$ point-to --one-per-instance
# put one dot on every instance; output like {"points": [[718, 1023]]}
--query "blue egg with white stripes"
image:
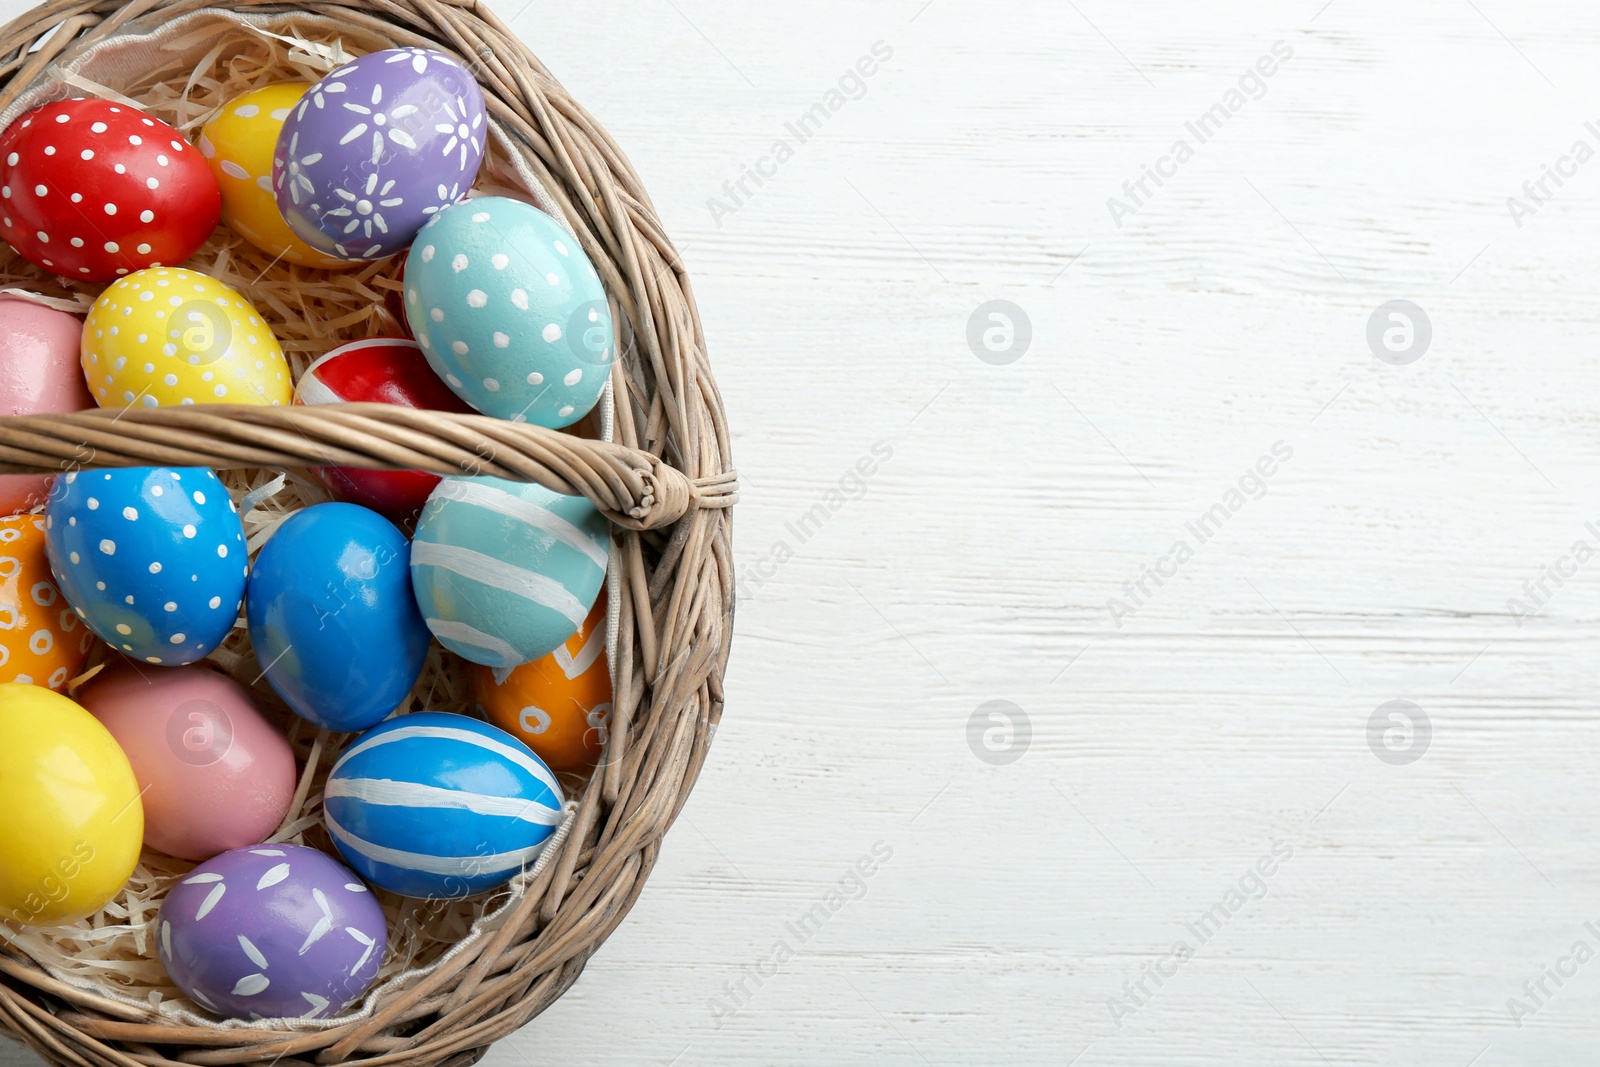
{"points": [[152, 559], [332, 619], [436, 805], [505, 572]]}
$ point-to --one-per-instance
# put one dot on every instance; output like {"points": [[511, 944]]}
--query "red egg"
{"points": [[380, 370], [92, 190]]}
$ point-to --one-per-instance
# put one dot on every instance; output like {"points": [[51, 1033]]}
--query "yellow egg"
{"points": [[165, 336], [74, 822], [238, 143]]}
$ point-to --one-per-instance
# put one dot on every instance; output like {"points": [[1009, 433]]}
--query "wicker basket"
{"points": [[665, 480]]}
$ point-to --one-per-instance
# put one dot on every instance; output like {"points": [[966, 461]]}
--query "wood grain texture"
{"points": [[1230, 712]]}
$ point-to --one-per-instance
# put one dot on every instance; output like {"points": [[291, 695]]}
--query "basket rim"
{"points": [[667, 483]]}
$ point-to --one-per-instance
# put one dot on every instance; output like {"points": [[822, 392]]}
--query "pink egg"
{"points": [[216, 775], [39, 372]]}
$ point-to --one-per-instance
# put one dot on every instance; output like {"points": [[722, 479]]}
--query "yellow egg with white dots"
{"points": [[238, 142], [166, 336]]}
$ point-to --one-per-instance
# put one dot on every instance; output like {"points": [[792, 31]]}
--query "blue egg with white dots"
{"points": [[510, 311], [152, 559]]}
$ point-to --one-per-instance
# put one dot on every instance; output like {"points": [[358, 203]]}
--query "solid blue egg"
{"points": [[332, 617], [439, 805], [510, 311], [152, 558]]}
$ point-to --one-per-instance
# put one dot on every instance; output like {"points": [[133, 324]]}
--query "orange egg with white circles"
{"points": [[42, 642], [559, 705]]}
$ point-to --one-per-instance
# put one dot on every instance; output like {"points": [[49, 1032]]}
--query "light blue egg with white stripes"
{"points": [[505, 572], [436, 805]]}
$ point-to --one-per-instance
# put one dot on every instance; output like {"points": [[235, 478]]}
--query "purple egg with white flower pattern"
{"points": [[377, 148], [272, 932]]}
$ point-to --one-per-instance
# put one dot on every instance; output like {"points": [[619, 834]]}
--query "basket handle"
{"points": [[634, 489]]}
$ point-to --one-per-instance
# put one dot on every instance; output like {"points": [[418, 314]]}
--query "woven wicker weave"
{"points": [[666, 482]]}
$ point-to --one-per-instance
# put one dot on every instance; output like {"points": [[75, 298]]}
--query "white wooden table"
{"points": [[1200, 765]]}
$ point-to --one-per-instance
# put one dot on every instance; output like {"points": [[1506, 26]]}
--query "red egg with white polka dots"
{"points": [[93, 190]]}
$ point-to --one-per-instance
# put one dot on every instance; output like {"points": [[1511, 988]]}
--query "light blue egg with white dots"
{"points": [[152, 559], [510, 311]]}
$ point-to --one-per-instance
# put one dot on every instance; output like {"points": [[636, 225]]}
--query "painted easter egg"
{"points": [[42, 641], [382, 370], [238, 143], [332, 617], [437, 805], [272, 932], [90, 190], [510, 311], [169, 336], [377, 147], [506, 571], [152, 558], [213, 772], [73, 821], [38, 374], [558, 705]]}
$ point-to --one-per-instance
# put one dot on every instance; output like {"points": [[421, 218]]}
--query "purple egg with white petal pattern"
{"points": [[271, 932], [376, 148]]}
